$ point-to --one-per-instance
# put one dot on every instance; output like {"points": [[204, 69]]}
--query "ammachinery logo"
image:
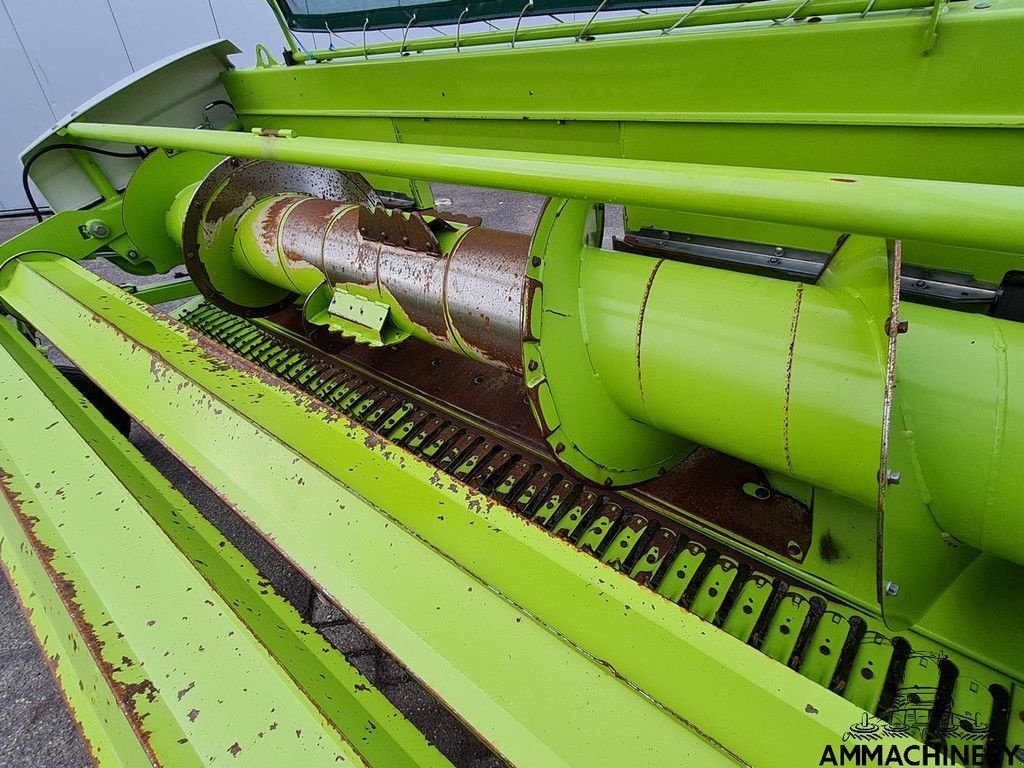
{"points": [[910, 737]]}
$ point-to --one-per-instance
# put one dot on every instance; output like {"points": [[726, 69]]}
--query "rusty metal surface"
{"points": [[229, 190], [468, 299], [484, 293], [411, 231], [710, 485], [491, 404]]}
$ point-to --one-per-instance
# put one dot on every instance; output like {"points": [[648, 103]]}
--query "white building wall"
{"points": [[55, 54]]}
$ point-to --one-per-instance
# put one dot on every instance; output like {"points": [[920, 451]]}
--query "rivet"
{"points": [[536, 261], [892, 589], [560, 448], [532, 365], [893, 477]]}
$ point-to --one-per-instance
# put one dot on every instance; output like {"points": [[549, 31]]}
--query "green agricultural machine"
{"points": [[738, 483]]}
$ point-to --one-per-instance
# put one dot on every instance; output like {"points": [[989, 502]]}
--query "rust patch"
{"points": [[484, 295], [186, 689], [709, 485], [304, 228], [270, 225], [127, 694], [394, 228], [793, 323]]}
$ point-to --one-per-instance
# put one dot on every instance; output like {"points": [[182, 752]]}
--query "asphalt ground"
{"points": [[36, 728]]}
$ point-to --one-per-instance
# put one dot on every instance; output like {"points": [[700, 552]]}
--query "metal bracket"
{"points": [[684, 17], [405, 36], [519, 21], [931, 36]]}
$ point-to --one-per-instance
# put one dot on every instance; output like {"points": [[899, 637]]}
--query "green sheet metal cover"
{"points": [[343, 15]]}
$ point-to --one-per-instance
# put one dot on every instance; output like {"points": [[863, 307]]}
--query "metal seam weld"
{"points": [[640, 329], [794, 322]]}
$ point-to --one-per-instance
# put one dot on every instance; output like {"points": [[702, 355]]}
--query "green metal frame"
{"points": [[458, 550], [703, 130], [108, 595]]}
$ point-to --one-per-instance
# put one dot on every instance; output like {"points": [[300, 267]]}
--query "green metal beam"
{"points": [[169, 290], [55, 578], [976, 215], [650, 22], [613, 673]]}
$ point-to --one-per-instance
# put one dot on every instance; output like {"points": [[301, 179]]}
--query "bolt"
{"points": [[132, 255], [892, 589], [559, 448], [532, 365], [893, 477], [902, 326], [921, 284], [773, 260], [98, 229], [536, 261], [779, 250]]}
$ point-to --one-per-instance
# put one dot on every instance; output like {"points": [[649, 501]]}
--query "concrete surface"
{"points": [[36, 729]]}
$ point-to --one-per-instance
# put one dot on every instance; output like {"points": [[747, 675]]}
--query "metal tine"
{"points": [[796, 10], [590, 21], [330, 36], [867, 10], [405, 35], [685, 16], [458, 28], [519, 21], [365, 25]]}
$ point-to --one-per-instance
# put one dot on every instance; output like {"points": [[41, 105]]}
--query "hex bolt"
{"points": [[98, 229], [892, 589], [892, 477]]}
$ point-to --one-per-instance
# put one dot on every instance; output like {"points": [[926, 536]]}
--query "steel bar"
{"points": [[634, 677], [974, 215]]}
